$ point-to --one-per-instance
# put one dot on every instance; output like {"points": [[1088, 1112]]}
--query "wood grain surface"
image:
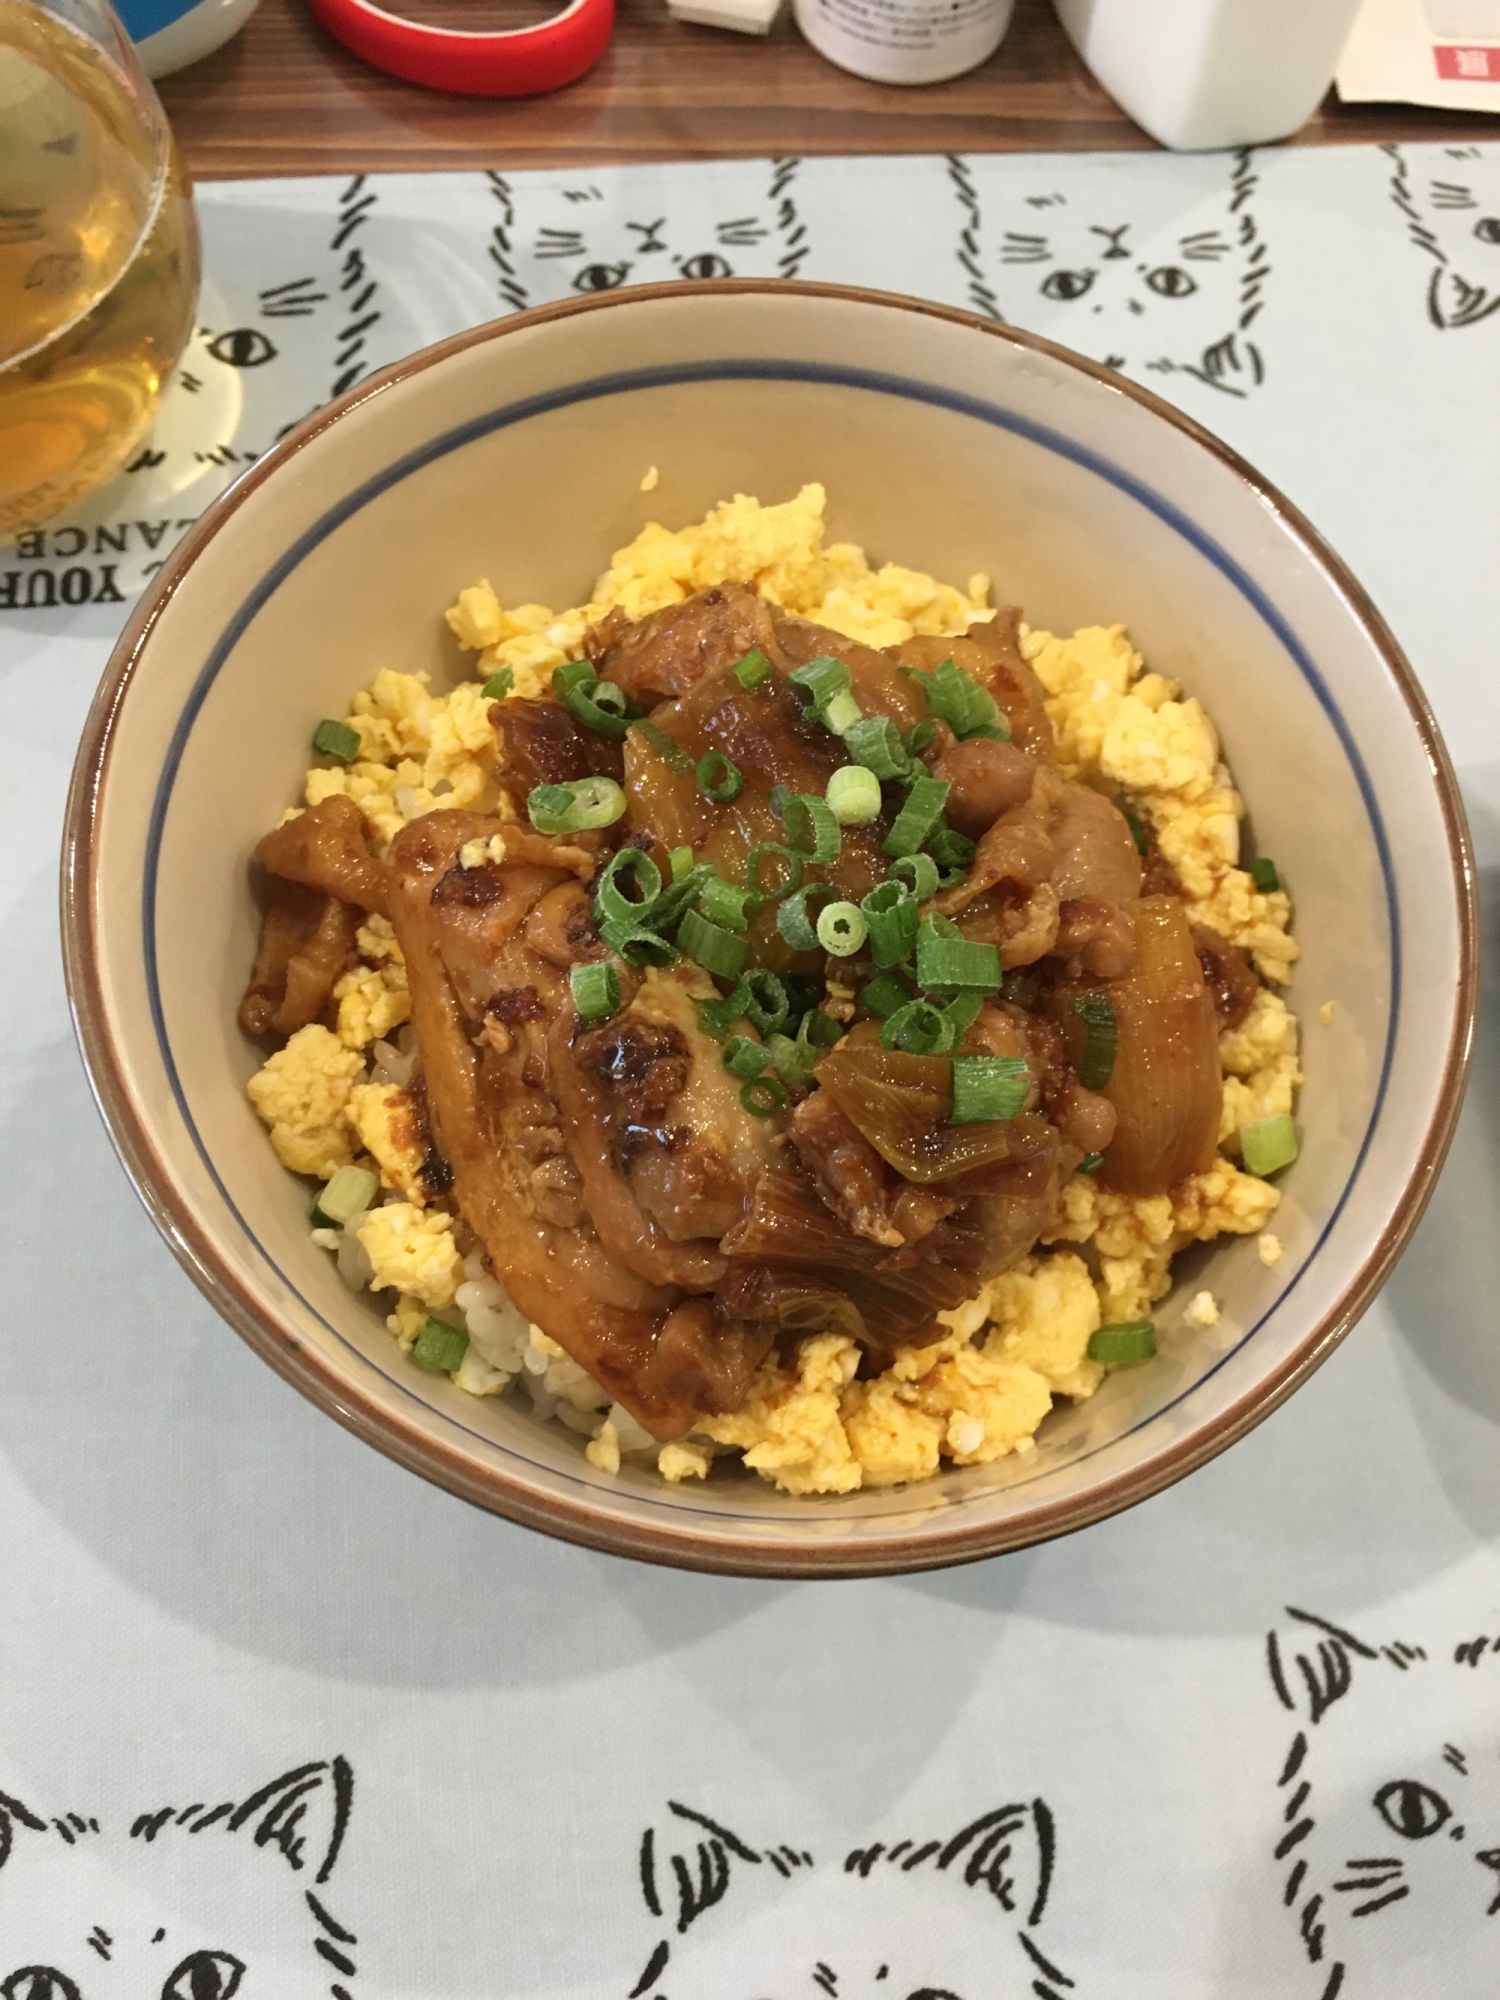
{"points": [[284, 98]]}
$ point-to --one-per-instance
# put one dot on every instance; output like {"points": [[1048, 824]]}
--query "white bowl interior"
{"points": [[944, 447]]}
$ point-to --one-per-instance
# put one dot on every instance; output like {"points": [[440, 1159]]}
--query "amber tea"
{"points": [[98, 264]]}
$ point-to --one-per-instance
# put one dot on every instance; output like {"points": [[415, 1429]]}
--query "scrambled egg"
{"points": [[417, 752], [386, 1122], [302, 1094], [414, 1251], [778, 549]]}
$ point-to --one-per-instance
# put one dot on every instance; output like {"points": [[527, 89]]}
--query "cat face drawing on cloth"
{"points": [[191, 1902], [1450, 197], [1133, 271], [559, 240], [955, 1916], [1387, 1844]]}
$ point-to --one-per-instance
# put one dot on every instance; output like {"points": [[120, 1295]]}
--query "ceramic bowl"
{"points": [[951, 445]]}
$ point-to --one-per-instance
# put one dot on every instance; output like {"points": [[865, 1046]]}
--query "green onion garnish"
{"points": [[986, 1088], [951, 849], [336, 739], [675, 898], [792, 1061], [794, 921], [919, 736], [962, 1012], [811, 829], [600, 706], [612, 898], [842, 929], [727, 903], [1137, 830], [586, 802], [841, 714], [1268, 1144], [440, 1347], [718, 779], [752, 669], [499, 684], [818, 1030], [918, 818], [742, 1057], [920, 874], [596, 991], [768, 1008], [719, 1016], [709, 945], [792, 863], [573, 673], [1097, 1012], [763, 1096], [671, 754], [944, 963], [854, 795], [1124, 1343], [680, 860], [822, 680], [958, 699], [1090, 1163], [885, 995], [890, 910], [875, 742], [348, 1191], [635, 943], [919, 1029], [1264, 874]]}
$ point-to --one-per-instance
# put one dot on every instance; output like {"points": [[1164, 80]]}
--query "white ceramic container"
{"points": [[947, 443], [1197, 74], [905, 41]]}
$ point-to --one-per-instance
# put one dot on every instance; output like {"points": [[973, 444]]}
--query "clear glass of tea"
{"points": [[99, 255]]}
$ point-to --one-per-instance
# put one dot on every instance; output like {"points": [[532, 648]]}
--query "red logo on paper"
{"points": [[1471, 65]]}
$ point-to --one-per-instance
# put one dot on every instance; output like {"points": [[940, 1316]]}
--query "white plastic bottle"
{"points": [[905, 41], [1203, 73]]}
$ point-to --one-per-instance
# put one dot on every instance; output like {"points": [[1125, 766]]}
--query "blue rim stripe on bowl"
{"points": [[675, 375]]}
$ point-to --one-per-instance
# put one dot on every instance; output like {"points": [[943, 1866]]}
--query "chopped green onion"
{"points": [[719, 1016], [792, 1061], [875, 742], [791, 862], [727, 903], [594, 704], [672, 754], [752, 669], [963, 1011], [440, 1347], [1264, 874], [951, 849], [917, 738], [842, 929], [918, 818], [953, 962], [635, 944], [596, 991], [572, 808], [1124, 1343], [919, 1028], [818, 1030], [811, 829], [742, 1057], [1268, 1144], [795, 923], [709, 945], [675, 898], [611, 898], [763, 1096], [574, 673], [958, 699], [1090, 1163], [348, 1191], [986, 1088], [768, 1007], [1137, 830], [336, 739], [499, 684], [885, 995], [680, 860], [920, 874], [718, 779], [854, 795], [890, 910], [822, 680], [841, 713], [1097, 1012]]}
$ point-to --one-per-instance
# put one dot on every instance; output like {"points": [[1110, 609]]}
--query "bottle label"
{"points": [[905, 41]]}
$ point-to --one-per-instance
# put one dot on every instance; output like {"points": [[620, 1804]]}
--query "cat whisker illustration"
{"points": [[1489, 1857]]}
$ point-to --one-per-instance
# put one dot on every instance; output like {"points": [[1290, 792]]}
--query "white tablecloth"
{"points": [[466, 1760]]}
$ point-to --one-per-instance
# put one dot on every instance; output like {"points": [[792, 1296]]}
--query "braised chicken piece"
{"points": [[679, 1146]]}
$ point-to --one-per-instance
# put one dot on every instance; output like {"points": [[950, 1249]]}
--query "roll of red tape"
{"points": [[515, 62]]}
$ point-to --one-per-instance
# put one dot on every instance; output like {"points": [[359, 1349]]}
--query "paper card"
{"points": [[1439, 52]]}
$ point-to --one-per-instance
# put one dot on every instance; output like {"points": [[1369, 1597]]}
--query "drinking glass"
{"points": [[99, 256]]}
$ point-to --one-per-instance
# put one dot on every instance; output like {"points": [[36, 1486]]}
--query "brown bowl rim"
{"points": [[593, 1524]]}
